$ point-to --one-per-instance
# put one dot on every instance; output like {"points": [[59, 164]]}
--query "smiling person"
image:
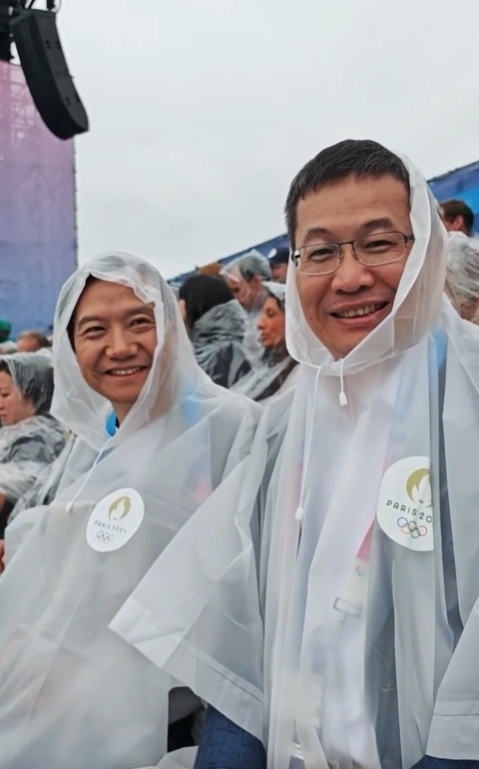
{"points": [[370, 551], [370, 565], [156, 442]]}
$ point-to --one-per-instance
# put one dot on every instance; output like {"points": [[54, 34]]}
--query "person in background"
{"points": [[43, 490], [462, 277], [7, 345], [246, 276], [457, 216], [30, 438], [277, 371], [32, 341], [216, 324], [278, 261]]}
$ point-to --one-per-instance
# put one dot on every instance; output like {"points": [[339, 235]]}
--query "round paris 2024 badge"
{"points": [[114, 521], [404, 508]]}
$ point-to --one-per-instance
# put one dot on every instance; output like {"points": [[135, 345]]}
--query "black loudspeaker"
{"points": [[43, 62]]}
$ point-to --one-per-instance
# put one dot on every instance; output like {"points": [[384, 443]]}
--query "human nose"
{"points": [[119, 344], [351, 274]]}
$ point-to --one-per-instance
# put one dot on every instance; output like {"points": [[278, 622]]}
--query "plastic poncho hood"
{"points": [[73, 689], [225, 322], [75, 404], [217, 339], [416, 306], [369, 556], [32, 374], [462, 282], [29, 447]]}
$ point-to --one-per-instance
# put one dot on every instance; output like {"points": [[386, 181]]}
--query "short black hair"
{"points": [[451, 209], [201, 293], [351, 157]]}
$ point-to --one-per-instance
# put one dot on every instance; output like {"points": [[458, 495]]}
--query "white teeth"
{"points": [[125, 371], [359, 311]]}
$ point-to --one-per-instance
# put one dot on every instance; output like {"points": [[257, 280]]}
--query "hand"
{"points": [[2, 556]]}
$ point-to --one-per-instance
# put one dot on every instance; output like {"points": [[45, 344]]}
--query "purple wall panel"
{"points": [[37, 208]]}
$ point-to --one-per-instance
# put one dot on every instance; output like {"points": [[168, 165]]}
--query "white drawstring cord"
{"points": [[343, 399], [300, 511], [70, 504]]}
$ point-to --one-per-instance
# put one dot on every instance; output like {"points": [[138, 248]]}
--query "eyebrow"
{"points": [[372, 224], [144, 308]]}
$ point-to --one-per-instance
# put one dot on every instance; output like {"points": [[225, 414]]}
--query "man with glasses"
{"points": [[369, 560], [370, 549], [368, 629]]}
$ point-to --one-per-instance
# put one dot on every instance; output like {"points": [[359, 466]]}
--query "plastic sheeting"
{"points": [[217, 339], [274, 373], [267, 377], [44, 488], [73, 692], [462, 277], [28, 448], [365, 599], [32, 374], [247, 267], [241, 272]]}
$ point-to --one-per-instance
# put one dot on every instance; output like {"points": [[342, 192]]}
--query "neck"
{"points": [[121, 411]]}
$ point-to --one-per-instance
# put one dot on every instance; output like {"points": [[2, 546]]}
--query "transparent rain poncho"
{"points": [[42, 491], [217, 339], [370, 555], [462, 277], [29, 446], [241, 271], [73, 691], [275, 372]]}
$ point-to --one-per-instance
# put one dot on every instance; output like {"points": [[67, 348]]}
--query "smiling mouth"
{"points": [[125, 372], [360, 312]]}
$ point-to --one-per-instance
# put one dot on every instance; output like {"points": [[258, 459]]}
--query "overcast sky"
{"points": [[202, 111]]}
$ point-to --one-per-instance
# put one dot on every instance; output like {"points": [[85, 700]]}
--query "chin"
{"points": [[347, 346]]}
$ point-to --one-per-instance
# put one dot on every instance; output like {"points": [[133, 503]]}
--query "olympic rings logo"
{"points": [[104, 536], [411, 527]]}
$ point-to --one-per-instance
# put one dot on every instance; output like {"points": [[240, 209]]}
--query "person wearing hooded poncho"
{"points": [[370, 533], [30, 438], [216, 323], [246, 277], [73, 693], [276, 371], [462, 277]]}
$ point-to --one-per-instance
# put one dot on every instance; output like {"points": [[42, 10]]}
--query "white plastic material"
{"points": [[242, 270], [269, 375], [360, 668], [217, 339], [73, 693], [462, 279], [29, 447]]}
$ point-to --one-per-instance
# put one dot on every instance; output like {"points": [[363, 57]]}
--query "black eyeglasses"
{"points": [[372, 251]]}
